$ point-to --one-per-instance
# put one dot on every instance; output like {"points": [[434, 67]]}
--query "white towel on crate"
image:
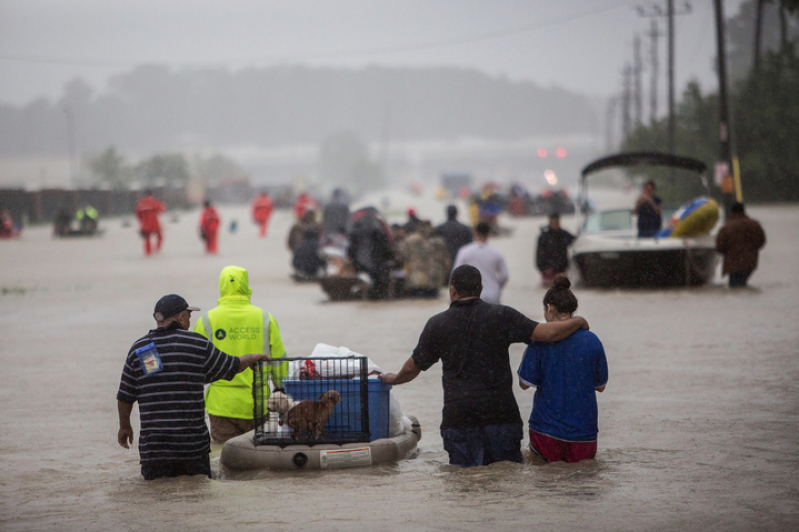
{"points": [[333, 368]]}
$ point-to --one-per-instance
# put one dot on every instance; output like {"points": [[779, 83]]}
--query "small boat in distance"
{"points": [[607, 251]]}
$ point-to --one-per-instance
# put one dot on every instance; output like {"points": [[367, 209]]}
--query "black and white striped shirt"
{"points": [[171, 402]]}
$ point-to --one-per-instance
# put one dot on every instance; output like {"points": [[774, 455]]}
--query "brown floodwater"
{"points": [[699, 425]]}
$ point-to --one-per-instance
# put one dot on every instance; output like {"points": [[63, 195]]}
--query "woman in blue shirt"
{"points": [[566, 375]]}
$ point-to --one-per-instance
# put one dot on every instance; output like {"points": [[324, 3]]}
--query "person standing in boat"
{"points": [[740, 241], [647, 208]]}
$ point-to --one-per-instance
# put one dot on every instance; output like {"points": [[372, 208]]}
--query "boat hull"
{"points": [[646, 268]]}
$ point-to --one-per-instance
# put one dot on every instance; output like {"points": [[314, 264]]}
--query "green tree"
{"points": [[344, 161], [765, 112], [109, 168], [167, 169], [218, 167]]}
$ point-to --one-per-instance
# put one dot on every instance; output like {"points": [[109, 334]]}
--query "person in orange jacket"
{"points": [[209, 227], [261, 211], [147, 211]]}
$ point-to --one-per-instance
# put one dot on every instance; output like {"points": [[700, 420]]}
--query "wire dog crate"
{"points": [[324, 400]]}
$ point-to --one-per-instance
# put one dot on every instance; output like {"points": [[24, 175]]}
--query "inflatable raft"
{"points": [[242, 454], [693, 219]]}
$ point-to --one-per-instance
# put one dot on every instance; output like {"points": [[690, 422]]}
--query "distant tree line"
{"points": [[109, 169], [764, 108], [154, 108]]}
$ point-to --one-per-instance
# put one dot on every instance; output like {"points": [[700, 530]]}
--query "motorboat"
{"points": [[608, 252]]}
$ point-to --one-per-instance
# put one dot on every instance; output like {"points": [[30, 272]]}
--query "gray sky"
{"points": [[580, 45]]}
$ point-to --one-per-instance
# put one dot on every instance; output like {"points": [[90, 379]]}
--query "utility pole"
{"points": [[725, 155], [384, 144], [653, 35], [758, 30], [610, 142], [625, 101], [70, 141], [637, 68], [656, 11]]}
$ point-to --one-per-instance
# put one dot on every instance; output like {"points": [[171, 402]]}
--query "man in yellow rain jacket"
{"points": [[237, 327]]}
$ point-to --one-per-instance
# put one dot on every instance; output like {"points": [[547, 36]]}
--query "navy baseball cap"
{"points": [[169, 305]]}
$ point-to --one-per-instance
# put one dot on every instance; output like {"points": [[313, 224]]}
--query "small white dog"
{"points": [[280, 403]]}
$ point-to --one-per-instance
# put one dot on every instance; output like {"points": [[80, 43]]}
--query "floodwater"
{"points": [[699, 424]]}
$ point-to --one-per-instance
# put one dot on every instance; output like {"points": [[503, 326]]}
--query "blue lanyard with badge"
{"points": [[149, 359]]}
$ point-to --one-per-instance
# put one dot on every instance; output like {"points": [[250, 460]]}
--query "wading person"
{"points": [[488, 260], [209, 227], [480, 421], [306, 260], [237, 327], [739, 241], [567, 374], [147, 211], [552, 256], [427, 262], [261, 211], [165, 371], [454, 233]]}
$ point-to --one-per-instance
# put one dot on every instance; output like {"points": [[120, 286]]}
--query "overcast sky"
{"points": [[580, 45]]}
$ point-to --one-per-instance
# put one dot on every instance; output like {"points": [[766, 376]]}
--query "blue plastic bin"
{"points": [[346, 416]]}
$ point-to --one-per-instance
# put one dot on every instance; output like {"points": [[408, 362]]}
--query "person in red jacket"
{"points": [[147, 211], [261, 211], [209, 227], [303, 204]]}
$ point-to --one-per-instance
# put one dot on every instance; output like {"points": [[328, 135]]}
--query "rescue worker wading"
{"points": [[237, 327]]}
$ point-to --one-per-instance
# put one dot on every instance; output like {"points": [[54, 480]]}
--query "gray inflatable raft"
{"points": [[241, 453]]}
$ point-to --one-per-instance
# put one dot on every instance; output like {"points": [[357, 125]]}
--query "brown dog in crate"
{"points": [[312, 415]]}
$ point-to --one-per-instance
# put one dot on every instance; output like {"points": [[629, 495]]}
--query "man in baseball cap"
{"points": [[169, 305], [164, 372]]}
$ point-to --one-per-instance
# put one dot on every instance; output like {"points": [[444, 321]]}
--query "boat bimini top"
{"points": [[643, 159]]}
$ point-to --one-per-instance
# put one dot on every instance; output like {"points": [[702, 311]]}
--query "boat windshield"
{"points": [[615, 220], [615, 188]]}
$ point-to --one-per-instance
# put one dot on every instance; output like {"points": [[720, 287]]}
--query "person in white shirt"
{"points": [[488, 260]]}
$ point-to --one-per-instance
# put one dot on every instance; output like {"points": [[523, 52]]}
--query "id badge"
{"points": [[150, 361]]}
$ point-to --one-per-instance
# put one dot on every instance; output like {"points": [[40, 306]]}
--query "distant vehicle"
{"points": [[546, 203], [455, 183], [607, 251]]}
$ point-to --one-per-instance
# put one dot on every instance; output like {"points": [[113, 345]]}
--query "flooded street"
{"points": [[699, 424]]}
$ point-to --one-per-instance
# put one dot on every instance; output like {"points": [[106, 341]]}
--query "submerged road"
{"points": [[698, 426]]}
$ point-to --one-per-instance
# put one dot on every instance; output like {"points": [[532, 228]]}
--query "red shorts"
{"points": [[554, 450]]}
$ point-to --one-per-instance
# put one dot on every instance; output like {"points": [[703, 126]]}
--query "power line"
{"points": [[341, 54]]}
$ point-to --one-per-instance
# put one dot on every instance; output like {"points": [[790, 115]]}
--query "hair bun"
{"points": [[561, 282]]}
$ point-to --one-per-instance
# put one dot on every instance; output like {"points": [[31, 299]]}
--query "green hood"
{"points": [[234, 283]]}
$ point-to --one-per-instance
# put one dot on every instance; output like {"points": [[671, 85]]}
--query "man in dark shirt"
{"points": [[551, 255], [480, 421], [454, 233], [648, 210], [306, 259], [336, 215], [165, 372]]}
